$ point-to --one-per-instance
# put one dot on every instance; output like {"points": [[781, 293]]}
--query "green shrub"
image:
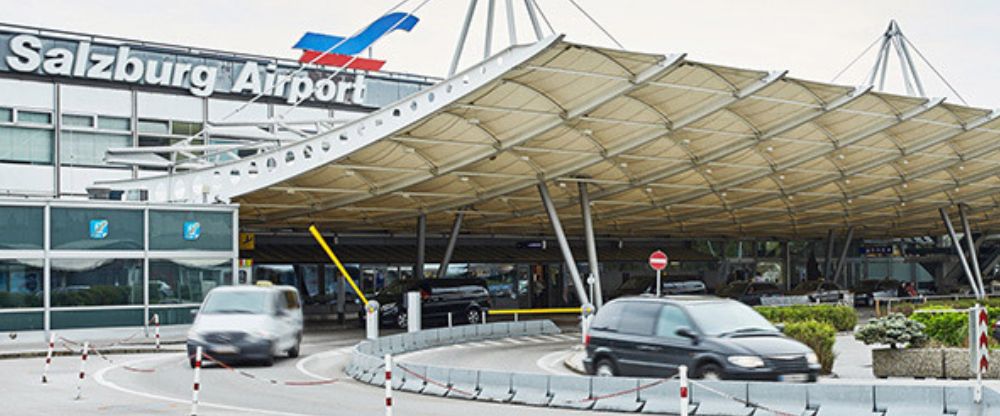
{"points": [[892, 330], [842, 318], [949, 328], [819, 336]]}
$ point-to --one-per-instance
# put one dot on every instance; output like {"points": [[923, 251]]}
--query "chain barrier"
{"points": [[271, 381], [152, 320], [436, 383], [743, 401]]}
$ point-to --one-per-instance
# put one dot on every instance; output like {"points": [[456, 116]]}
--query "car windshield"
{"points": [[248, 302], [722, 318]]}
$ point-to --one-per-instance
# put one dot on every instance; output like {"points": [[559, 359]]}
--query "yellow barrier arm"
{"points": [[533, 311], [322, 242]]}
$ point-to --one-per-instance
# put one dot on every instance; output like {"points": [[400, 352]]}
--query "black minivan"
{"points": [[465, 299], [715, 338]]}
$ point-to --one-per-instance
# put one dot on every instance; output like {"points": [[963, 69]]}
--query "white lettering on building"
{"points": [[26, 55]]}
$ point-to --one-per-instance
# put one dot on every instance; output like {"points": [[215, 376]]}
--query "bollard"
{"points": [[449, 319], [48, 358], [156, 329], [83, 369], [483, 321], [197, 382], [515, 316], [388, 385], [682, 371], [412, 311], [371, 319]]}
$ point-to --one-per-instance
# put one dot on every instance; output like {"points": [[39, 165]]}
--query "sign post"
{"points": [[979, 352], [658, 261]]}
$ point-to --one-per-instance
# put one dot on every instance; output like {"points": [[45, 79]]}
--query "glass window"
{"points": [[22, 228], [255, 302], [34, 117], [26, 145], [639, 318], [114, 123], [184, 128], [716, 318], [21, 283], [671, 319], [154, 126], [6, 115], [72, 120], [96, 282], [607, 317], [190, 230], [96, 229], [186, 281], [81, 148]]}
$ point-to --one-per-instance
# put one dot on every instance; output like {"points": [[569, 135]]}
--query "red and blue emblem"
{"points": [[313, 44]]}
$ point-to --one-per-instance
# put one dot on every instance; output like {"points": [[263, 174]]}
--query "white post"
{"points": [[156, 329], [83, 370], [659, 286], [388, 385], [412, 311], [449, 320], [371, 320], [483, 321], [685, 397], [48, 357], [197, 382], [515, 316]]}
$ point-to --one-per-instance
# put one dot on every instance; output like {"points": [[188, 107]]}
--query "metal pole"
{"points": [[659, 285], [461, 38], [534, 20], [911, 65], [588, 235], [902, 63], [682, 373], [488, 48], [371, 319], [550, 208], [972, 249], [196, 386], [418, 271], [450, 248], [511, 26], [788, 266], [412, 311], [388, 385], [843, 253], [827, 263], [961, 254]]}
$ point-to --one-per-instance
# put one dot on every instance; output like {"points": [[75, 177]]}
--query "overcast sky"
{"points": [[812, 39]]}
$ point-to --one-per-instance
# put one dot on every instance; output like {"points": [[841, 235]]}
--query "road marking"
{"points": [[99, 378], [553, 363], [301, 363], [514, 341], [551, 338], [493, 344]]}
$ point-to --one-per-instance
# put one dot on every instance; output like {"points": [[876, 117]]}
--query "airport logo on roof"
{"points": [[336, 51]]}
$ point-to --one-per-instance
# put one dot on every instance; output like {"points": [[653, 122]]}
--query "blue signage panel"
{"points": [[98, 229], [192, 230]]}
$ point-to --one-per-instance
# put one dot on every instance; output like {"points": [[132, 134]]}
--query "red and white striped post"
{"points": [[197, 382], [682, 371], [156, 329], [83, 370], [48, 358], [388, 385]]}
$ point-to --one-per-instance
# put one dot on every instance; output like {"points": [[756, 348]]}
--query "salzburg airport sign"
{"points": [[201, 74]]}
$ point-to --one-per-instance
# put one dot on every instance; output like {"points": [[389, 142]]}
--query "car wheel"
{"points": [[294, 351], [267, 362], [605, 368], [402, 320], [472, 316], [709, 371]]}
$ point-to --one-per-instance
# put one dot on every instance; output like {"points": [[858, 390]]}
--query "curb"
{"points": [[14, 355], [573, 362]]}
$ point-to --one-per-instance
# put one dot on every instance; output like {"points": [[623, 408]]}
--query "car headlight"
{"points": [[195, 336], [746, 361], [812, 358]]}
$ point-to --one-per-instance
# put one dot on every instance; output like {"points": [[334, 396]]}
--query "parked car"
{"points": [[749, 293], [868, 290], [465, 299], [248, 323], [820, 290], [715, 338], [672, 285]]}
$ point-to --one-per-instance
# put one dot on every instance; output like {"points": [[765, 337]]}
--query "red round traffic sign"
{"points": [[658, 260]]}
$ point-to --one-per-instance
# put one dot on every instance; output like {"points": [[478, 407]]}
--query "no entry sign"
{"points": [[658, 260]]}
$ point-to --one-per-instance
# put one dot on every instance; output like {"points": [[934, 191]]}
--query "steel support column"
{"points": [[843, 254], [550, 209], [461, 38], [588, 235], [828, 261], [450, 248], [973, 249], [788, 265], [418, 270], [961, 253]]}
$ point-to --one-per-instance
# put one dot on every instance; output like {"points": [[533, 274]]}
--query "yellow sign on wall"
{"points": [[248, 241]]}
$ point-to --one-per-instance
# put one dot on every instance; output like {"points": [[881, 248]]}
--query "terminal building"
{"points": [[136, 176]]}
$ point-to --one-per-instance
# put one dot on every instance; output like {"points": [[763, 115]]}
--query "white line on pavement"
{"points": [[301, 364], [553, 363], [99, 378]]}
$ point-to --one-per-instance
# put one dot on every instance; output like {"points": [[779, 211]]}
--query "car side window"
{"points": [[608, 317], [670, 320], [291, 300], [639, 318]]}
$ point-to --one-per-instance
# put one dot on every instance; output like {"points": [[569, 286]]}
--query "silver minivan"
{"points": [[257, 323]]}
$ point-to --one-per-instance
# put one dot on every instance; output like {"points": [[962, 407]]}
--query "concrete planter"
{"points": [[908, 362], [928, 363]]}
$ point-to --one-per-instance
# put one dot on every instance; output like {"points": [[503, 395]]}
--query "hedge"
{"points": [[819, 336], [949, 326], [840, 317]]}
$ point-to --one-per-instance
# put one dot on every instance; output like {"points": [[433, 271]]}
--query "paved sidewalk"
{"points": [[119, 339]]}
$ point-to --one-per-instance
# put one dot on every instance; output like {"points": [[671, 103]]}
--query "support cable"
{"points": [[544, 17], [858, 58], [936, 72], [592, 20]]}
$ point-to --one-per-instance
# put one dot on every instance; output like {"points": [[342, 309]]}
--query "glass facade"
{"points": [[22, 227], [96, 282], [190, 230], [96, 229], [180, 281], [21, 283]]}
